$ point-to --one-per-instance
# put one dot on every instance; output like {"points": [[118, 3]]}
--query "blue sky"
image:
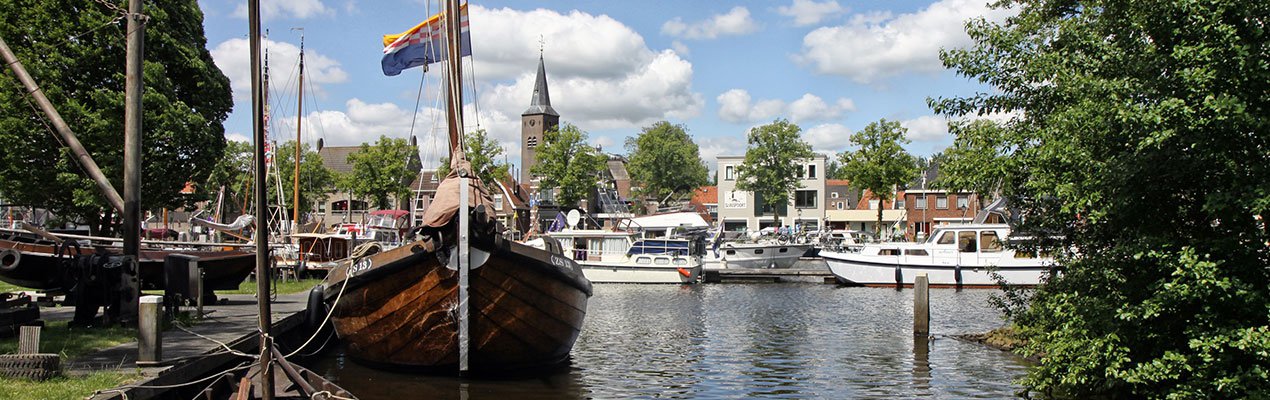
{"points": [[719, 68]]}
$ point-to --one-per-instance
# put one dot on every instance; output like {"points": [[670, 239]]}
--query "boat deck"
{"points": [[807, 269]]}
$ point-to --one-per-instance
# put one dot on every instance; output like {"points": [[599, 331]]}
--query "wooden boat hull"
{"points": [[400, 308], [38, 266]]}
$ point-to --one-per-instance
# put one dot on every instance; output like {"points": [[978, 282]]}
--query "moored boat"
{"points": [[954, 256], [625, 257]]}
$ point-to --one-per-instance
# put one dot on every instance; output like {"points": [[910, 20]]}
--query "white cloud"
{"points": [[809, 12], [298, 9], [735, 23], [927, 128], [680, 48], [828, 137], [736, 105], [233, 57], [237, 137], [600, 72], [874, 46], [713, 147]]}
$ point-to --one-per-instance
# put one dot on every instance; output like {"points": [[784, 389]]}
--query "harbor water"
{"points": [[799, 340]]}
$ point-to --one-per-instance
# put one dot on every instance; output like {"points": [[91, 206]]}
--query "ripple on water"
{"points": [[746, 340]]}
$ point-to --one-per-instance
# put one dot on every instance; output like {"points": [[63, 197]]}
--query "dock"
{"points": [[807, 269], [186, 356]]}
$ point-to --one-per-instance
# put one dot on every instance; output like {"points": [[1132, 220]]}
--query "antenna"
{"points": [[542, 43]]}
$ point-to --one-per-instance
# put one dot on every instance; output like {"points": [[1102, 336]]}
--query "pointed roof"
{"points": [[541, 103]]}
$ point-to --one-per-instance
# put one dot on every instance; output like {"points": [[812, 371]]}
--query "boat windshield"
{"points": [[652, 246]]}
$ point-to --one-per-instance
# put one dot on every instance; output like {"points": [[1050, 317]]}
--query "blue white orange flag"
{"points": [[422, 44]]}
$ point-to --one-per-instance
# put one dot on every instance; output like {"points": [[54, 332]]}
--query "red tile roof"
{"points": [[705, 195]]}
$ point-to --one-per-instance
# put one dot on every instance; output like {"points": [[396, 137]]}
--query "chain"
{"points": [[115, 8]]}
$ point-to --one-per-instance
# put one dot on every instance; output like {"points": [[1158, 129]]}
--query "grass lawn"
{"points": [[64, 387], [288, 287], [6, 287], [56, 337]]}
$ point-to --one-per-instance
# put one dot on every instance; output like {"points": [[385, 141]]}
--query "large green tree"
{"points": [[664, 161], [482, 153], [879, 163], [316, 181], [75, 51], [567, 163], [382, 172], [232, 173], [773, 165], [1141, 151], [974, 162]]}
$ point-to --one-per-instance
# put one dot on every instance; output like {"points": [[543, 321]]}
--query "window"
{"points": [[758, 251], [643, 260], [532, 141], [966, 242], [434, 178], [963, 202], [805, 198], [498, 202], [941, 203], [840, 205], [920, 203], [946, 238], [811, 171], [729, 173], [899, 204], [873, 204], [833, 195], [916, 252], [988, 242], [731, 252]]}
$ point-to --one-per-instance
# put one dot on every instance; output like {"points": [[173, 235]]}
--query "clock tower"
{"points": [[534, 122]]}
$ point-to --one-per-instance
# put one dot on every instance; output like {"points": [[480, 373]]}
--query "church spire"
{"points": [[541, 102]]}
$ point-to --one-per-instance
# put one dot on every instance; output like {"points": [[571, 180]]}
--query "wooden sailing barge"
{"points": [[463, 297]]}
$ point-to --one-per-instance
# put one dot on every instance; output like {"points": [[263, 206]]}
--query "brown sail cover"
{"points": [[446, 203]]}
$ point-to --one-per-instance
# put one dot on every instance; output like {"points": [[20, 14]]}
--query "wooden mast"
{"points": [[262, 228], [454, 84], [299, 114]]}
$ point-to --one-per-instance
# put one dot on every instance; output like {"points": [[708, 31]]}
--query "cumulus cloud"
{"points": [[735, 22], [809, 12], [298, 9], [873, 46], [831, 138], [736, 105], [713, 147], [927, 128], [233, 57], [601, 73]]}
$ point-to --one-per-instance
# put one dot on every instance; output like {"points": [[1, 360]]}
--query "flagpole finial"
{"points": [[542, 43]]}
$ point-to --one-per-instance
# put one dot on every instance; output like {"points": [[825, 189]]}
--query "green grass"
{"points": [[6, 287], [288, 287], [65, 387], [56, 337]]}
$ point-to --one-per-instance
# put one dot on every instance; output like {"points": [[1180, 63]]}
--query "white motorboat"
{"points": [[758, 254], [625, 257], [954, 255]]}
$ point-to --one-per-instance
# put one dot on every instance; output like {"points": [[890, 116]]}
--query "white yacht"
{"points": [[756, 254], [626, 257], [954, 255]]}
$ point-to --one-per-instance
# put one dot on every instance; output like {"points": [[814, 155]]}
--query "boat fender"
{"points": [[316, 309], [957, 274], [9, 259], [300, 268], [899, 277], [685, 273]]}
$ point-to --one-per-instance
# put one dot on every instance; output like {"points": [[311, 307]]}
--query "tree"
{"points": [[482, 152], [974, 162], [382, 171], [833, 170], [1139, 154], [664, 161], [566, 162], [75, 52], [773, 167], [232, 172], [879, 163], [315, 179]]}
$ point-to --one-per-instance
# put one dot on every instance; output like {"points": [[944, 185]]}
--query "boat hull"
{"points": [[755, 256], [399, 309], [864, 270], [622, 273], [37, 266]]}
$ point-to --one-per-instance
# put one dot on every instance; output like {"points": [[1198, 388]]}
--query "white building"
{"points": [[739, 210]]}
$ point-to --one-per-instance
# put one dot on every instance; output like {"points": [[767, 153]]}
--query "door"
{"points": [[968, 248]]}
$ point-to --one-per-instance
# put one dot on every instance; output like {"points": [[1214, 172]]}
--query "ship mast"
{"points": [[454, 86], [299, 114]]}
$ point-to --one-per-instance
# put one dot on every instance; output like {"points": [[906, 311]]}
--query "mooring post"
{"points": [[921, 305], [149, 338], [463, 275]]}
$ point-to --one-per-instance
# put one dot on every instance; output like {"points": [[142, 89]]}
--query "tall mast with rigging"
{"points": [[299, 115]]}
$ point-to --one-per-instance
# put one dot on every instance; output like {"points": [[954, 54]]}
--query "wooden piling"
{"points": [[921, 305], [149, 338]]}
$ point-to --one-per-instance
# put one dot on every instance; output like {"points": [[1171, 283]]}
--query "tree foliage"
{"points": [[75, 51], [664, 161], [975, 161], [773, 165], [879, 163], [382, 172], [1141, 144], [566, 162], [233, 173], [316, 181], [482, 152]]}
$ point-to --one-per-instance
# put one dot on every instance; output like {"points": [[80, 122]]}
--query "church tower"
{"points": [[535, 121]]}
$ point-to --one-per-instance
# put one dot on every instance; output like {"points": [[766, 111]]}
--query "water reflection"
{"points": [[737, 340]]}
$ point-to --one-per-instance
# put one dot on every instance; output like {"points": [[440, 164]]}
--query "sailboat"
{"points": [[463, 297]]}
